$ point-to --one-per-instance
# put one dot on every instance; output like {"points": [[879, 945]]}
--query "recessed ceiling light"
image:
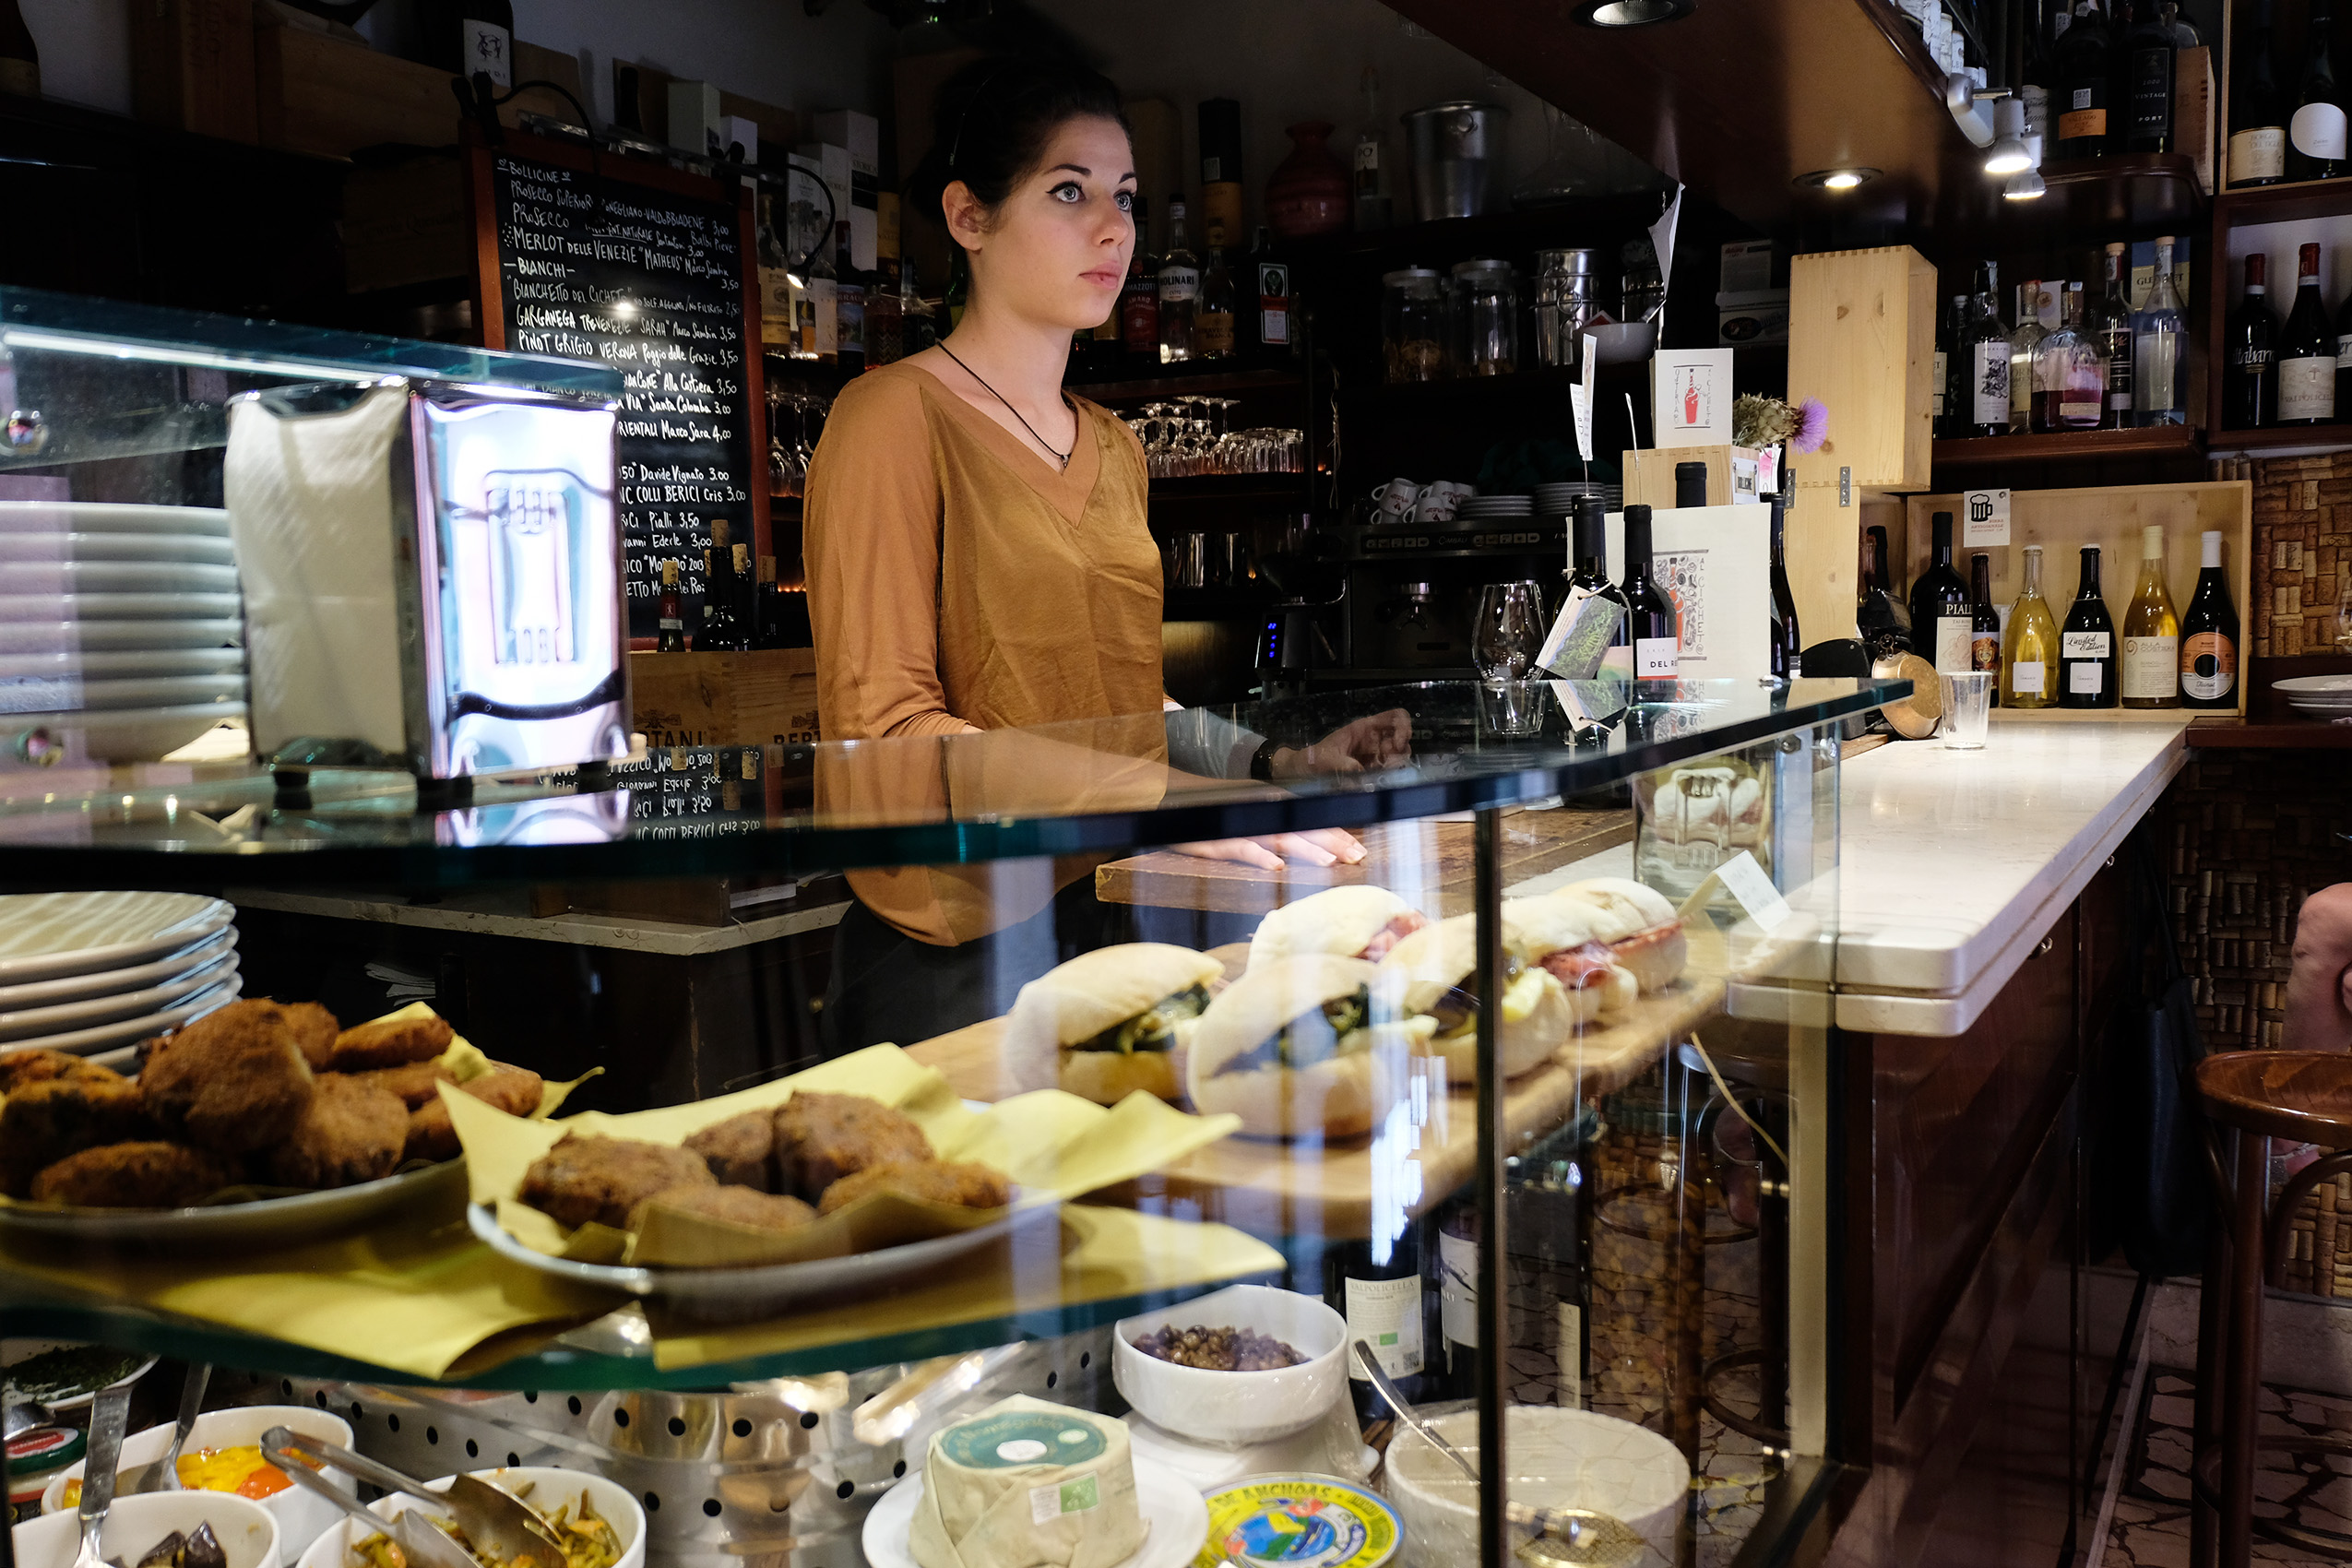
{"points": [[1631, 13], [1836, 179]]}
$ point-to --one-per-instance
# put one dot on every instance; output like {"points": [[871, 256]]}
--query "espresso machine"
{"points": [[1412, 591]]}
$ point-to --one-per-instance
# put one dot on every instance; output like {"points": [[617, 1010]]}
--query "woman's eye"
{"points": [[1067, 191], [1126, 200]]}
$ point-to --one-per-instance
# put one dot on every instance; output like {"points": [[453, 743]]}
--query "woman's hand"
{"points": [[1316, 846], [1379, 740]]}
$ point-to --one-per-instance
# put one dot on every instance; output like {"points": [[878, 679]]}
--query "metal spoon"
{"points": [[427, 1547], [495, 1521], [164, 1475], [110, 1412]]}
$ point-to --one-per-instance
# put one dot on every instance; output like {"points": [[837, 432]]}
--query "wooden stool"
{"points": [[2259, 1095]]}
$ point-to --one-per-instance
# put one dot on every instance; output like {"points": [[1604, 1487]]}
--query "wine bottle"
{"points": [[672, 633], [2249, 401], [1788, 643], [1139, 295], [1880, 619], [2085, 67], [2087, 645], [2307, 351], [2024, 345], [1590, 577], [2070, 372], [1213, 326], [2030, 647], [2148, 59], [1456, 1288], [2035, 74], [1984, 621], [2161, 348], [2151, 633], [1179, 287], [2209, 637], [2257, 110], [1650, 622], [1947, 343], [1942, 625], [1690, 485], [1376, 1286], [2344, 354], [1987, 351], [2111, 329], [2315, 133]]}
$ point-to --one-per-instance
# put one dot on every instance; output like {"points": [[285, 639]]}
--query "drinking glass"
{"points": [[1967, 708], [1509, 633], [1508, 709]]}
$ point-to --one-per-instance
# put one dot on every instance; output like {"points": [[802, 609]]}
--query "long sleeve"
{"points": [[871, 543]]}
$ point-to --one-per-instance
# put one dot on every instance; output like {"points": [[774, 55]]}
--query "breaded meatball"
{"points": [[45, 1121], [413, 1084], [351, 1132], [586, 1178], [389, 1042], [973, 1186], [822, 1137], [315, 1030], [741, 1149], [142, 1175], [737, 1206], [232, 1082], [39, 1065], [515, 1090]]}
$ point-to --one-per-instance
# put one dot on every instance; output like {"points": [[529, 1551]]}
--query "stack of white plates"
{"points": [[1477, 507], [119, 623], [91, 971], [2321, 696], [1559, 499]]}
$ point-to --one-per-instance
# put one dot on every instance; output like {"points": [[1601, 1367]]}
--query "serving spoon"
{"points": [[495, 1521], [425, 1546]]}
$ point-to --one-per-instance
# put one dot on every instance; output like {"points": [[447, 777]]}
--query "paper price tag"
{"points": [[1580, 397], [1984, 517], [1747, 882]]}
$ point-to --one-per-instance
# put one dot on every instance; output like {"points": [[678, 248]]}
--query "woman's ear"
{"points": [[967, 216]]}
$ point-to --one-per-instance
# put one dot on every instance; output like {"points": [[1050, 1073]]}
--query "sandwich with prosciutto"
{"points": [[1294, 1049], [1643, 933], [1359, 921], [1110, 1022]]}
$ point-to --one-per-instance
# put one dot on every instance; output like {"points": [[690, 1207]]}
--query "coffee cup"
{"points": [[1396, 500], [1439, 500]]}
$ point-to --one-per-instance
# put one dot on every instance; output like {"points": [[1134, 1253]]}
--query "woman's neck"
{"points": [[1020, 359]]}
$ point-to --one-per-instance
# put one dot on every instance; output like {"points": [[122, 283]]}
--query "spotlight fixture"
{"points": [[2009, 154], [2024, 186], [1835, 179], [1631, 13]]}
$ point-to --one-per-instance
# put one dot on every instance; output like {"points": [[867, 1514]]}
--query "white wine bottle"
{"points": [[2029, 651], [2151, 633]]}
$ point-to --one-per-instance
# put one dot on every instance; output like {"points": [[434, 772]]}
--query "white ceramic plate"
{"points": [[135, 735], [28, 1022], [118, 606], [742, 1295], [107, 983], [160, 691], [1176, 1521], [97, 1037], [47, 936], [53, 635], [2316, 685], [127, 664], [550, 1488], [201, 548], [109, 516], [118, 576], [265, 1222]]}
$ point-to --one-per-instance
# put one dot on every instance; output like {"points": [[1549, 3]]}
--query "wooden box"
{"points": [[324, 95], [2192, 111], [192, 67], [1861, 342], [2063, 521], [718, 699], [1649, 474]]}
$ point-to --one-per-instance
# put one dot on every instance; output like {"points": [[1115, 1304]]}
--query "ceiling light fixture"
{"points": [[2009, 154], [1631, 13], [1835, 179], [2024, 186]]}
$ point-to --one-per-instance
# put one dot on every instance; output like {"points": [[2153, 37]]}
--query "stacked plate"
{"points": [[87, 972], [1559, 499], [2321, 696], [119, 623], [1490, 506]]}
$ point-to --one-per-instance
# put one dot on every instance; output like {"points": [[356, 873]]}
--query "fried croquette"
{"points": [[18, 1068], [139, 1175], [737, 1206], [351, 1132], [586, 1178], [973, 1186], [412, 1083], [232, 1082], [822, 1137], [741, 1149], [43, 1123], [315, 1030], [388, 1042], [515, 1090]]}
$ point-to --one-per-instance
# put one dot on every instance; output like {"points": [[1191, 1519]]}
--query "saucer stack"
{"points": [[90, 972], [1559, 500], [1488, 507], [2321, 696]]}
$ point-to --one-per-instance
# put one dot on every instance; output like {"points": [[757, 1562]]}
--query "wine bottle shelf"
{"points": [[2317, 437], [2139, 190], [2155, 441], [2285, 203]]}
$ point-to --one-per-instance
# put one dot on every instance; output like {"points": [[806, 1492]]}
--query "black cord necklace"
{"points": [[1061, 458]]}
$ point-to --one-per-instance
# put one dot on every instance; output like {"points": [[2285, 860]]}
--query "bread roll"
{"points": [[1341, 1094], [1341, 920], [1639, 923], [1538, 1014], [1074, 1003]]}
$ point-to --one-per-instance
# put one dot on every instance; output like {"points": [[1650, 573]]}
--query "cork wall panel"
{"points": [[2302, 546]]}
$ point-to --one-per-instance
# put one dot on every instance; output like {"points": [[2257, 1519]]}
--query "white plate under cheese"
{"points": [[1027, 1483]]}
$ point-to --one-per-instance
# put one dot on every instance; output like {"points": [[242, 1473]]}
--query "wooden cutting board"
{"points": [[1277, 1189]]}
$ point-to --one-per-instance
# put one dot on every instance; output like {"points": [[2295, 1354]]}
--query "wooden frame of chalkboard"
{"points": [[693, 441]]}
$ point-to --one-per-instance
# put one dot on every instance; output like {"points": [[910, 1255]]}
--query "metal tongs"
{"points": [[495, 1521]]}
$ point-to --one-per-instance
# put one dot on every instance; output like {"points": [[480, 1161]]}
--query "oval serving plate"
{"points": [[108, 982], [264, 1222], [51, 935]]}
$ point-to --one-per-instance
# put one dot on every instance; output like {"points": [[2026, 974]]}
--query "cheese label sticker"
{"points": [[1048, 1503], [1022, 1437]]}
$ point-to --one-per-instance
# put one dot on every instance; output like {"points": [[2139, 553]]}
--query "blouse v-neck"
{"points": [[1067, 489]]}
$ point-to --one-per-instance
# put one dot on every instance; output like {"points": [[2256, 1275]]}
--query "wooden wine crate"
{"points": [[2063, 521], [767, 697]]}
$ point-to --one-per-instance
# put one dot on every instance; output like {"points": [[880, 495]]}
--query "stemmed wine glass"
{"points": [[1509, 633]]}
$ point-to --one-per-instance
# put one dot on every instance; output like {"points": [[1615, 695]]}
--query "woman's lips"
{"points": [[1104, 277]]}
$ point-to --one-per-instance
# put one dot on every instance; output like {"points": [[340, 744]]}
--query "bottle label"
{"points": [[1991, 404], [2151, 667], [1387, 1314], [2307, 388], [672, 624], [1942, 370], [822, 297], [2082, 644], [1458, 1288], [2208, 667], [2082, 122], [1139, 321], [2036, 101], [1984, 651], [1214, 334], [2152, 92], [1955, 644], [2118, 373], [1655, 657], [2317, 131], [486, 46], [2086, 678], [2344, 352], [2258, 154], [1367, 159], [1274, 303], [2025, 678], [2074, 405], [1178, 284]]}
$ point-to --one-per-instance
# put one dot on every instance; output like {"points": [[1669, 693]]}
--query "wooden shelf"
{"points": [[2224, 732], [2132, 190], [2155, 441], [2285, 203], [1547, 382], [1187, 383], [2279, 436]]}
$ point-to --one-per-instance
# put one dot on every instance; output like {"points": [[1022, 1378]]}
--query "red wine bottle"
{"points": [[2307, 351], [1650, 622], [1942, 622], [2249, 400]]}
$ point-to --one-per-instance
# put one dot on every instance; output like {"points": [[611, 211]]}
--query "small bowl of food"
{"points": [[223, 1453], [1243, 1365], [160, 1529], [601, 1524]]}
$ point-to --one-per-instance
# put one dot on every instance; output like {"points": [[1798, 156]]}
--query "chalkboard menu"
{"points": [[644, 268], [695, 791]]}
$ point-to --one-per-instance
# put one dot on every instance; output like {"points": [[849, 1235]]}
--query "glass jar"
{"points": [[1412, 324], [1567, 296], [1486, 337]]}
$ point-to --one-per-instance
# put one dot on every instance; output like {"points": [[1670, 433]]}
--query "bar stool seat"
{"points": [[2305, 1097]]}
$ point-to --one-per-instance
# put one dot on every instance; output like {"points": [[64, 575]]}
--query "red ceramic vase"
{"points": [[1309, 192]]}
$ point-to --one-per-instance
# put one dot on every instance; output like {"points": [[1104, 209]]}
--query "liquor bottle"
{"points": [[1269, 328], [2250, 395], [1376, 1286], [2149, 58], [2209, 637], [467, 36], [917, 318], [1374, 204], [1947, 343], [2084, 65], [1788, 642], [1988, 350], [2035, 76], [2087, 645], [2070, 372], [2029, 646], [2257, 109], [886, 306], [820, 323], [20, 60], [2307, 351], [2151, 633], [2024, 339], [1941, 620], [1220, 141], [2315, 131], [1179, 287], [1213, 312], [1984, 621], [720, 630], [2161, 348], [673, 636], [1650, 624], [2110, 331], [1139, 296], [1880, 619]]}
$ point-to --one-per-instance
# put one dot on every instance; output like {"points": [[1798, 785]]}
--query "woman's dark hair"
{"points": [[991, 119]]}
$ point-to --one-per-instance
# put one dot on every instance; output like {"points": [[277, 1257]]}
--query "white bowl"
{"points": [[300, 1514], [1559, 1458], [248, 1532], [550, 1488], [1621, 342], [1232, 1408]]}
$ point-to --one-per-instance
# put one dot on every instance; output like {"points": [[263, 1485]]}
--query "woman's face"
{"points": [[1056, 250]]}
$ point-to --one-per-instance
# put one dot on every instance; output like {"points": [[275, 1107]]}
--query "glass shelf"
{"points": [[1054, 790]]}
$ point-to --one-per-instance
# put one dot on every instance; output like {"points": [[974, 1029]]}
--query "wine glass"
{"points": [[1509, 633]]}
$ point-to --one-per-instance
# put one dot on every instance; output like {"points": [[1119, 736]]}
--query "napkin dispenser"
{"points": [[431, 575]]}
